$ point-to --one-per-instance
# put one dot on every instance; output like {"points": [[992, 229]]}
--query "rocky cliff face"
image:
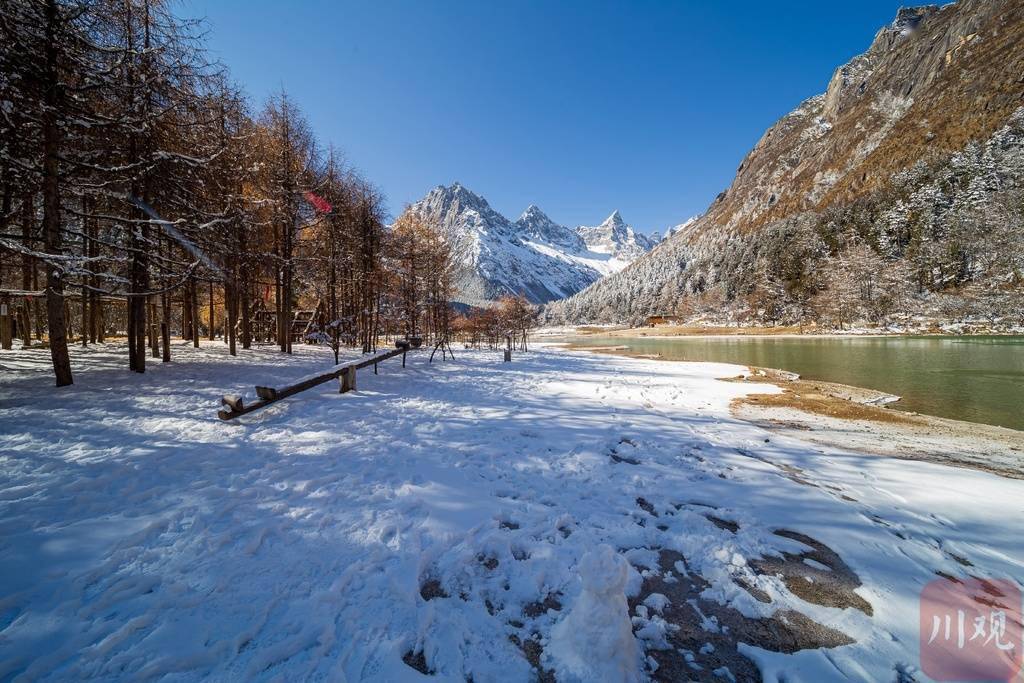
{"points": [[932, 83], [533, 256]]}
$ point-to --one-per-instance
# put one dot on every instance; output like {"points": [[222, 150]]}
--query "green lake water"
{"points": [[978, 379]]}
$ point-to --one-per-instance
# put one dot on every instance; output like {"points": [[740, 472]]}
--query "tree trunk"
{"points": [[194, 298], [27, 267], [85, 290], [51, 206], [246, 320], [211, 334], [231, 299], [154, 335], [165, 326], [186, 311]]}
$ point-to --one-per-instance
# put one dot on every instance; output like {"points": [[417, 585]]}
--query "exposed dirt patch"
{"points": [[533, 651], [726, 524], [756, 592], [417, 661], [821, 398], [805, 398], [431, 588], [708, 633], [646, 506], [826, 580], [489, 563], [536, 609]]}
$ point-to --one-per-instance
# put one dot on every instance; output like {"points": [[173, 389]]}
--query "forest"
{"points": [[143, 195]]}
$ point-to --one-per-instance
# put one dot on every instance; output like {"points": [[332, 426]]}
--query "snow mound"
{"points": [[595, 642]]}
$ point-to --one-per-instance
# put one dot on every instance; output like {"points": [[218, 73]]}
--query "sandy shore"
{"points": [[832, 414]]}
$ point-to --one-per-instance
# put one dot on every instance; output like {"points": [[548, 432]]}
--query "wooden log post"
{"points": [[5, 322], [348, 379], [233, 402]]}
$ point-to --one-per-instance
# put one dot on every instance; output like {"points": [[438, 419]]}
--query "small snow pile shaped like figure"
{"points": [[595, 642]]}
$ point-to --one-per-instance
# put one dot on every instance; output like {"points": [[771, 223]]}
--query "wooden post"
{"points": [[348, 379], [5, 322]]}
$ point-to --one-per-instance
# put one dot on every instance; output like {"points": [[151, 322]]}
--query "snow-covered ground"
{"points": [[438, 517]]}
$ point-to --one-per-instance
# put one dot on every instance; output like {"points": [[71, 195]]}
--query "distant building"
{"points": [[663, 319]]}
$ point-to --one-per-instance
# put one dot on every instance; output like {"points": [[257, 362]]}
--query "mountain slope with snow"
{"points": [[911, 156], [533, 256]]}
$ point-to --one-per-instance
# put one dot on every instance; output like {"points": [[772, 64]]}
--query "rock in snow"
{"points": [[595, 642]]}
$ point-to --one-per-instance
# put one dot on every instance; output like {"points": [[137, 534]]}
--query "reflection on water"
{"points": [[979, 379]]}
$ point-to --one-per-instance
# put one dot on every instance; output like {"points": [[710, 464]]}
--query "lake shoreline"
{"points": [[845, 416], [669, 332], [976, 379]]}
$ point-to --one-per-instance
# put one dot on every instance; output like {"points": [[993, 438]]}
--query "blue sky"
{"points": [[578, 107]]}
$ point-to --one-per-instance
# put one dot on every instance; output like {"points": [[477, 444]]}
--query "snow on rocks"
{"points": [[595, 641], [432, 523]]}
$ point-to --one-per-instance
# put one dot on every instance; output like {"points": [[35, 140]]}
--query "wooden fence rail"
{"points": [[346, 372]]}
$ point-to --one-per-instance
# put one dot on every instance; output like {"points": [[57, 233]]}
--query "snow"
{"points": [[595, 641], [142, 537]]}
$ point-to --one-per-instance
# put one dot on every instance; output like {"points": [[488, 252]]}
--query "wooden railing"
{"points": [[345, 372]]}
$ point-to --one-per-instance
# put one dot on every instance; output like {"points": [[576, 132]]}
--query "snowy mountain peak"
{"points": [[616, 238], [533, 214], [533, 256], [614, 221], [534, 224], [459, 193]]}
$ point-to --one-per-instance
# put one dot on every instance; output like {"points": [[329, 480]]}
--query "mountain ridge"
{"points": [[533, 255], [931, 84]]}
